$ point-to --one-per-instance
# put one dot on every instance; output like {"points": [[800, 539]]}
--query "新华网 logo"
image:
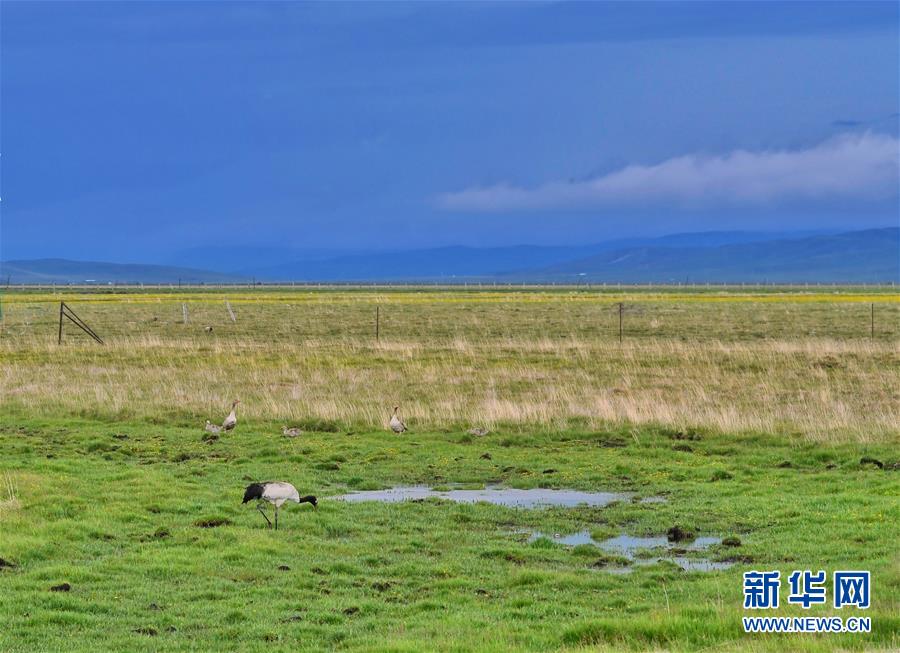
{"points": [[807, 588]]}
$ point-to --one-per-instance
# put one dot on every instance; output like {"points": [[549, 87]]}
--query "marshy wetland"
{"points": [[619, 493]]}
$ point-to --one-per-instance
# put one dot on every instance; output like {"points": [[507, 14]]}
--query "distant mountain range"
{"points": [[869, 256], [62, 271], [859, 256], [516, 263]]}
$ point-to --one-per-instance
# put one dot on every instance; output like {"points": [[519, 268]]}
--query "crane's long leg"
{"points": [[263, 513], [276, 517]]}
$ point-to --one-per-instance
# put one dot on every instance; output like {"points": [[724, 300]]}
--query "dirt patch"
{"points": [[158, 534], [283, 568], [678, 534], [212, 522], [611, 442], [150, 631], [868, 460], [6, 564], [743, 558], [62, 587], [610, 561]]}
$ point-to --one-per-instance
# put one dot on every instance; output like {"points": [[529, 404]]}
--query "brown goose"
{"points": [[397, 426], [231, 421]]}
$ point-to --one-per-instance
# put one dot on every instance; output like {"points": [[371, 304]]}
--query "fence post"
{"points": [[61, 306], [184, 312], [230, 312], [377, 324], [873, 320], [621, 309]]}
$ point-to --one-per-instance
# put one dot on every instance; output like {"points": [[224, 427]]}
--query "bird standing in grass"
{"points": [[212, 428], [397, 426], [276, 493], [231, 421], [292, 432]]}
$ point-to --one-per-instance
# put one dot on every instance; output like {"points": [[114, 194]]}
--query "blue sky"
{"points": [[134, 130]]}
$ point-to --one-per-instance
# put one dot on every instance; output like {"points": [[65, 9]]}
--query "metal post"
{"points": [[621, 309], [61, 306]]}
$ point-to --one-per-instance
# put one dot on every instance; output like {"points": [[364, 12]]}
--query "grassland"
{"points": [[749, 412], [798, 364]]}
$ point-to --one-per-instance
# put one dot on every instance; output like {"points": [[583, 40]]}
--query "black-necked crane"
{"points": [[397, 425], [291, 432], [231, 421], [276, 493]]}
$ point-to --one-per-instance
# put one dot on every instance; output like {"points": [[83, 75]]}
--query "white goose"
{"points": [[397, 426], [276, 493]]}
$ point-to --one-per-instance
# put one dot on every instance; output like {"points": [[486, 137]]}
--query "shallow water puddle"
{"points": [[627, 546], [501, 496]]}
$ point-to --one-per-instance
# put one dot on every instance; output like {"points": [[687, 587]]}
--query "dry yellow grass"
{"points": [[819, 389]]}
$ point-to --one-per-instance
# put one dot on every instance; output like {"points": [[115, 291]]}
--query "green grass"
{"points": [[113, 509]]}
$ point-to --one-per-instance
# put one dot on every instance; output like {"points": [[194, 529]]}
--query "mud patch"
{"points": [[158, 534], [678, 534], [212, 522]]}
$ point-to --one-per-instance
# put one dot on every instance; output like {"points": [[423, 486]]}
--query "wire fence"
{"points": [[434, 315]]}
